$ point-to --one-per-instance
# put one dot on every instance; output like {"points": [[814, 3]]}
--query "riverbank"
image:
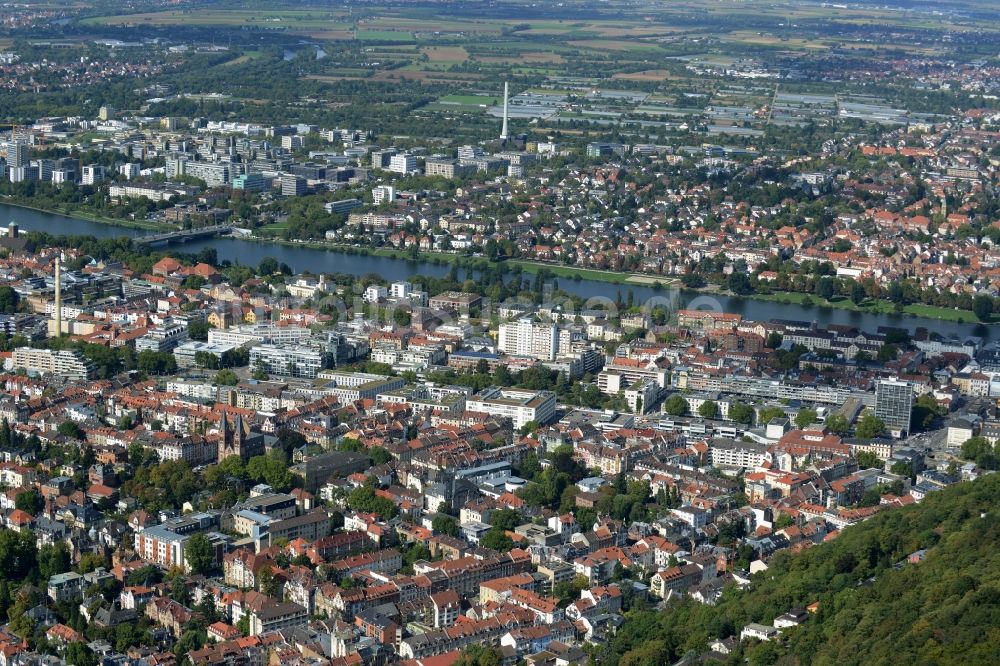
{"points": [[880, 307], [559, 271], [90, 217], [318, 258], [873, 307], [584, 282], [628, 279]]}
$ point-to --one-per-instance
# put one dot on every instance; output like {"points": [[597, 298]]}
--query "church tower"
{"points": [[237, 440]]}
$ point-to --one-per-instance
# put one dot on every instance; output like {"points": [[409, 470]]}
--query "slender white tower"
{"points": [[503, 131], [58, 298]]}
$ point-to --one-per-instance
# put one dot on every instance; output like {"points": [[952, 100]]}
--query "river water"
{"points": [[330, 261]]}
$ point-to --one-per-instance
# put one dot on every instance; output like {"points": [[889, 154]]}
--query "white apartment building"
{"points": [[519, 405], [288, 360], [162, 339], [17, 154], [130, 170], [735, 454], [92, 174], [375, 293], [525, 337], [400, 289], [191, 389], [386, 193], [643, 395], [214, 174], [187, 352], [403, 163], [139, 190], [269, 333], [64, 363]]}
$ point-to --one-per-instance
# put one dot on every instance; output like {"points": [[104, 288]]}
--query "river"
{"points": [[331, 261]]}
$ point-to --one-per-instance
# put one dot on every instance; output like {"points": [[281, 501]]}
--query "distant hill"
{"points": [[942, 610]]}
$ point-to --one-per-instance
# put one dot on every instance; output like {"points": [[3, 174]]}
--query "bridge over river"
{"points": [[183, 236]]}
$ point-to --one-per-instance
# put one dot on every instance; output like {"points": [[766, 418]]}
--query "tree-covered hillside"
{"points": [[943, 610]]}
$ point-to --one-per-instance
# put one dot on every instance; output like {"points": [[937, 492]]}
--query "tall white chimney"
{"points": [[503, 132], [58, 298]]}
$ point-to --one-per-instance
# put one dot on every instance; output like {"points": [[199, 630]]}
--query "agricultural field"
{"points": [[434, 25], [276, 19], [646, 75], [524, 58], [615, 45], [445, 54], [470, 100], [702, 69], [247, 56]]}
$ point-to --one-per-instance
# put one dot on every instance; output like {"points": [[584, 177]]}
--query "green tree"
{"points": [[148, 575], [676, 405], [979, 450], [30, 501], [150, 362], [91, 561], [496, 539], [364, 499], [767, 414], [925, 410], [18, 554], [982, 307], [200, 554], [739, 283], [708, 409], [267, 266], [266, 581], [805, 417], [857, 293], [887, 353], [272, 469], [198, 329], [530, 427], [825, 288], [530, 467], [226, 377], [8, 300], [179, 591], [478, 655], [379, 455], [443, 524], [867, 460], [54, 559], [837, 423], [78, 654], [70, 429], [783, 521], [741, 413], [506, 519], [869, 426], [901, 468]]}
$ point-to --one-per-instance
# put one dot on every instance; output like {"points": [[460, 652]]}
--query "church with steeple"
{"points": [[237, 440]]}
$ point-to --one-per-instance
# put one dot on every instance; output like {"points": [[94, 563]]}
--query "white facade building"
{"points": [[519, 405], [525, 337], [403, 163]]}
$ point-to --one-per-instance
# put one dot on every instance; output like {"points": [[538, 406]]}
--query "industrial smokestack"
{"points": [[503, 131], [58, 298]]}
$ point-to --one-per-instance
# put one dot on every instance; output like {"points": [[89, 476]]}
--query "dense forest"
{"points": [[874, 607]]}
